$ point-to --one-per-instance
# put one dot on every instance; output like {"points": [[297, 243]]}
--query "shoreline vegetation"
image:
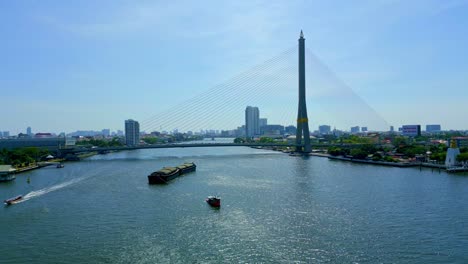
{"points": [[395, 151]]}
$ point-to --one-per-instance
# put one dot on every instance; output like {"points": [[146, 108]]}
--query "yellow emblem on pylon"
{"points": [[302, 120]]}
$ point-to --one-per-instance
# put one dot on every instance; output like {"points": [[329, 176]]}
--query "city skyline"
{"points": [[72, 66]]}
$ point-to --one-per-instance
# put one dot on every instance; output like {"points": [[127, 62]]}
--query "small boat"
{"points": [[60, 165], [13, 200], [214, 201]]}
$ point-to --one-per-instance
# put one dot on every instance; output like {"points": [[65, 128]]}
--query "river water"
{"points": [[275, 209]]}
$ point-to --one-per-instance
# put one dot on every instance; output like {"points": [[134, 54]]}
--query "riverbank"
{"points": [[383, 163], [28, 168], [86, 155], [399, 164]]}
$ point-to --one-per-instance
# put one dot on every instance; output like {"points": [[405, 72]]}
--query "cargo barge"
{"points": [[169, 173]]}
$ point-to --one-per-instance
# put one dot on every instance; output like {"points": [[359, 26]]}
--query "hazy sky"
{"points": [[90, 65]]}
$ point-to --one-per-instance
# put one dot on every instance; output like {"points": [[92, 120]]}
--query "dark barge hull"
{"points": [[158, 177]]}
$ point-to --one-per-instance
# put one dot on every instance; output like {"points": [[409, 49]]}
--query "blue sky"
{"points": [[90, 65]]}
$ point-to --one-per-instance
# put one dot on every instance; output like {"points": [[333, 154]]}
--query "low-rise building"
{"points": [[7, 173]]}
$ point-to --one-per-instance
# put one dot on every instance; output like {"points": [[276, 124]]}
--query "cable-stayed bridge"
{"points": [[278, 87]]}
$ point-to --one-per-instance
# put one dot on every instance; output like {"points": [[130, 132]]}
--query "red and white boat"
{"points": [[214, 201]]}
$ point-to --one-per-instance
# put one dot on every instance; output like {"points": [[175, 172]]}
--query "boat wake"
{"points": [[38, 193]]}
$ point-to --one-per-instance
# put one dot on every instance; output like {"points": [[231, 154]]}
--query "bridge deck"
{"points": [[188, 145]]}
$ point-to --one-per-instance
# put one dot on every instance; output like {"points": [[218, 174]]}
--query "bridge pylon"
{"points": [[302, 132]]}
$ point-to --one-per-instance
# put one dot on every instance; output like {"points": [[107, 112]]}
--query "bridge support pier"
{"points": [[302, 132]]}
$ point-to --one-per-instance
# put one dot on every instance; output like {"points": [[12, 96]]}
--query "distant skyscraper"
{"points": [[433, 128], [392, 129], [324, 129], [355, 129], [132, 132], [411, 130], [252, 124], [364, 129], [106, 132], [262, 122], [29, 131]]}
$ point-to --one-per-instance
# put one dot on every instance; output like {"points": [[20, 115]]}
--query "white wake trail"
{"points": [[38, 193]]}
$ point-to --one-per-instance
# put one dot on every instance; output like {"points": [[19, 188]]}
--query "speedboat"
{"points": [[60, 165], [214, 201], [13, 200]]}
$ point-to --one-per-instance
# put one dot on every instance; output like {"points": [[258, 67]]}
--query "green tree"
{"points": [[358, 153], [398, 141], [462, 156], [265, 140], [335, 151], [376, 157], [239, 140], [369, 148], [150, 140], [438, 156]]}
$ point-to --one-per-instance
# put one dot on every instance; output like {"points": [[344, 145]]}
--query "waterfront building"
{"points": [[324, 129], [7, 173], [272, 130], [252, 124], [43, 135], [411, 130], [132, 132], [433, 128]]}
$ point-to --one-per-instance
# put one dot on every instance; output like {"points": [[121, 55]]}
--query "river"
{"points": [[275, 209]]}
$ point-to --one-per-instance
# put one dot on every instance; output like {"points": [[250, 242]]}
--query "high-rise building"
{"points": [[324, 129], [392, 129], [433, 128], [252, 124], [355, 129], [132, 132], [29, 131], [363, 129]]}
